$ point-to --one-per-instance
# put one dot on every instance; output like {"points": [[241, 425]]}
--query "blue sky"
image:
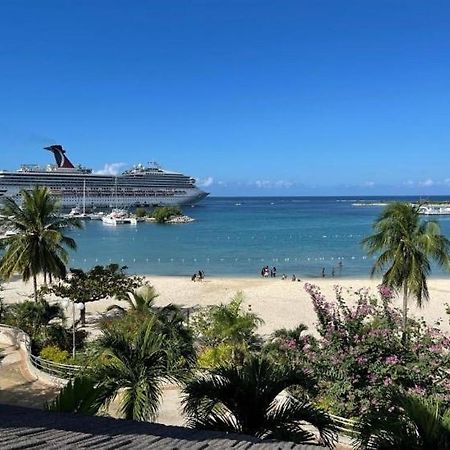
{"points": [[252, 97]]}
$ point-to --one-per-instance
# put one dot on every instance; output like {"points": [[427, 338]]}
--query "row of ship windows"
{"points": [[104, 186], [90, 199], [66, 179]]}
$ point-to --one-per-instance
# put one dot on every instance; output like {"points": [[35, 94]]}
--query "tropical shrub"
{"points": [[132, 370], [162, 213], [415, 423], [251, 399], [228, 324], [81, 395], [212, 357], [140, 212], [168, 322], [55, 354], [44, 323], [361, 358]]}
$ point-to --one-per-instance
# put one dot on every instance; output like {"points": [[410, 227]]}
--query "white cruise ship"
{"points": [[75, 185]]}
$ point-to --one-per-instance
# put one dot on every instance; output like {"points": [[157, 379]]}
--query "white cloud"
{"points": [[369, 184], [110, 169], [205, 182], [267, 184], [427, 183]]}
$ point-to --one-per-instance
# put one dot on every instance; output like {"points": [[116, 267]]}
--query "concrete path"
{"points": [[18, 386]]}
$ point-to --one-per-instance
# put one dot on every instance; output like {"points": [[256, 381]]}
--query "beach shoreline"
{"points": [[280, 303]]}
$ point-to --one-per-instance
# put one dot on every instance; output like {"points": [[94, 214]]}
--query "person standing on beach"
{"points": [[323, 272], [274, 271]]}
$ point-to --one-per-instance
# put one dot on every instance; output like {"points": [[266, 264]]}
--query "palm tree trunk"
{"points": [[50, 278], [45, 277], [35, 287]]}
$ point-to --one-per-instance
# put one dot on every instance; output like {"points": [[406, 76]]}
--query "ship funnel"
{"points": [[60, 157]]}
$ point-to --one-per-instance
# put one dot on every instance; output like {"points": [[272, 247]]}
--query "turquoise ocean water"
{"points": [[237, 236]]}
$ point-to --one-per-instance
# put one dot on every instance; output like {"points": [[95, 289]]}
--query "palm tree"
{"points": [[406, 245], [80, 395], [228, 324], [422, 424], [250, 399], [132, 370], [39, 247], [141, 300]]}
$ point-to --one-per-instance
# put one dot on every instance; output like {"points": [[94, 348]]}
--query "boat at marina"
{"points": [[118, 217], [77, 186], [435, 210]]}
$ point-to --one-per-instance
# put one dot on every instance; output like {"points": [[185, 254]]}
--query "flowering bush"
{"points": [[360, 357]]}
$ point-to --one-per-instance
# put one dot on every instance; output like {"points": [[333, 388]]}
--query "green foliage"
{"points": [[405, 246], [55, 354], [98, 283], [132, 370], [81, 395], [246, 399], [412, 423], [33, 317], [162, 213], [361, 358], [168, 322], [212, 357], [141, 212], [39, 247], [228, 324], [44, 323], [140, 300]]}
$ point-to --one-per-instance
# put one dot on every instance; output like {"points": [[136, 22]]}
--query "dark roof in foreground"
{"points": [[22, 428]]}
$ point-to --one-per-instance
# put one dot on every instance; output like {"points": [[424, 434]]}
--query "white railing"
{"points": [[58, 373], [65, 371], [346, 426]]}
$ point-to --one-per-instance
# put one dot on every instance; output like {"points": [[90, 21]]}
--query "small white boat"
{"points": [[75, 213], [435, 210], [118, 217]]}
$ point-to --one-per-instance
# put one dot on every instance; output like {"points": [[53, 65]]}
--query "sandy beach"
{"points": [[280, 303]]}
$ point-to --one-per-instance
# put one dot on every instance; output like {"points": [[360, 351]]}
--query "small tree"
{"points": [[164, 213], [141, 212], [227, 327], [96, 284]]}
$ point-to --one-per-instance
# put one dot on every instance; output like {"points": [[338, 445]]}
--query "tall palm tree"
{"points": [[249, 399], [132, 370], [39, 247], [422, 424], [405, 246]]}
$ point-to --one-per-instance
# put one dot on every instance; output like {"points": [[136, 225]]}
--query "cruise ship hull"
{"points": [[93, 196], [76, 186]]}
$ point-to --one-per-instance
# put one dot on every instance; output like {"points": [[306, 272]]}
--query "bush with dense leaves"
{"points": [[163, 213], [55, 354], [219, 328], [360, 357]]}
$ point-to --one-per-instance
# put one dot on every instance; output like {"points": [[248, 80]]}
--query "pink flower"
{"points": [[391, 360]]}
